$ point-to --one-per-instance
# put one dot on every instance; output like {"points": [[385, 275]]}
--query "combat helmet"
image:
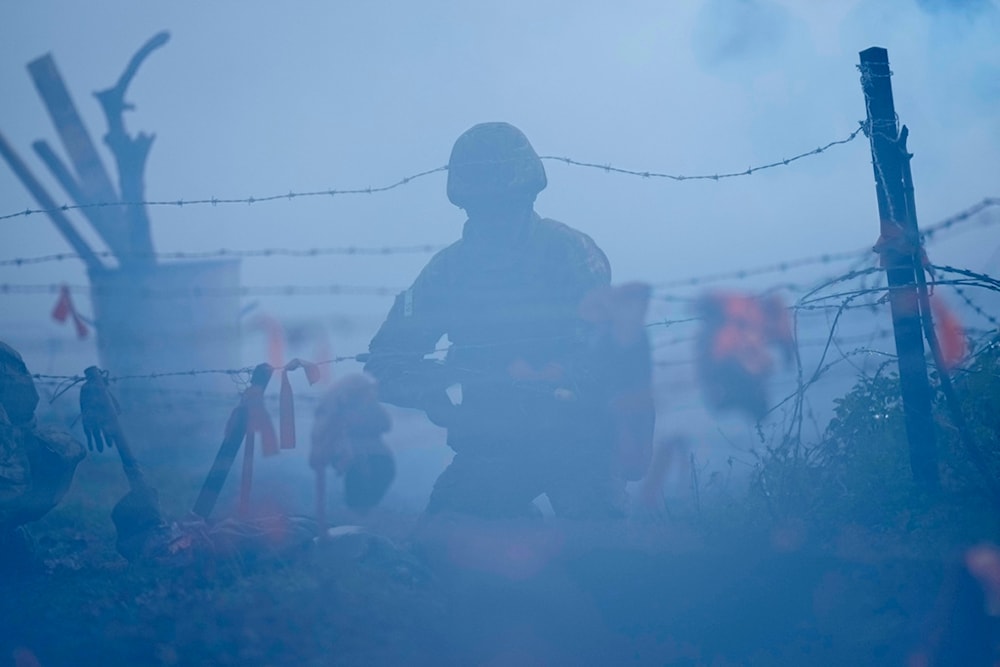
{"points": [[493, 160]]}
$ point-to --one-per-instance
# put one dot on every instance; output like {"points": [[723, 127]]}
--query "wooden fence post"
{"points": [[900, 250]]}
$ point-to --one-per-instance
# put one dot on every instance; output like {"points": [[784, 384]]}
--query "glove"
{"points": [[98, 411]]}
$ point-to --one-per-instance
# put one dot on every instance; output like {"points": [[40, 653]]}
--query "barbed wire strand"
{"points": [[225, 253], [969, 213], [705, 177], [216, 201], [389, 250], [977, 279], [331, 192], [975, 307], [203, 292]]}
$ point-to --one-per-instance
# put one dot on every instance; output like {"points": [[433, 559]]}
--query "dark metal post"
{"points": [[899, 246], [236, 430]]}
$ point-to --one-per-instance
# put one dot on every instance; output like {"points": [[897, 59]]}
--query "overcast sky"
{"points": [[255, 98]]}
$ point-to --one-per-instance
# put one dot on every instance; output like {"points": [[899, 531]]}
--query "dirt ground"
{"points": [[650, 591]]}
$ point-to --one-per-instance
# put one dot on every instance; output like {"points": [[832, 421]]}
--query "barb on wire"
{"points": [[705, 177], [885, 289], [808, 302], [824, 309], [669, 323], [981, 277], [975, 308], [777, 267], [232, 372], [962, 216], [825, 258], [822, 368], [215, 201], [850, 275], [989, 341], [198, 292], [224, 253]]}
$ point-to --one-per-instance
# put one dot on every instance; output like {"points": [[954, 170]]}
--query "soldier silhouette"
{"points": [[539, 369]]}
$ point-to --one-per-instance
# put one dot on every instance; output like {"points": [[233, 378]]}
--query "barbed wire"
{"points": [[824, 308], [240, 373], [776, 267], [878, 334], [886, 289], [199, 292], [980, 277], [331, 192], [310, 397], [975, 308], [225, 253], [825, 258], [390, 250], [813, 300], [199, 397], [245, 371], [669, 323], [376, 290], [216, 201], [932, 230], [706, 177], [298, 290]]}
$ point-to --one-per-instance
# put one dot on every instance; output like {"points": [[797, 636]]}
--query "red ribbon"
{"points": [[894, 239], [259, 421], [950, 335], [286, 401], [64, 310]]}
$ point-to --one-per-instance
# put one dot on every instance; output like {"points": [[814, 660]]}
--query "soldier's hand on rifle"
{"points": [[521, 371], [439, 408]]}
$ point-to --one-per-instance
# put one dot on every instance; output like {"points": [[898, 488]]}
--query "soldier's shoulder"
{"points": [[555, 231], [578, 245], [440, 264]]}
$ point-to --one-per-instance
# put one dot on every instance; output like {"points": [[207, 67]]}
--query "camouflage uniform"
{"points": [[36, 463], [499, 305]]}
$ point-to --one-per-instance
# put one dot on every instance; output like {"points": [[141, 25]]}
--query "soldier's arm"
{"points": [[589, 266], [414, 325], [587, 271], [614, 344]]}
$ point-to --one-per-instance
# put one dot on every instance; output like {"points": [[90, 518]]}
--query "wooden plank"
{"points": [[62, 173], [92, 177], [58, 218], [223, 463], [236, 429]]}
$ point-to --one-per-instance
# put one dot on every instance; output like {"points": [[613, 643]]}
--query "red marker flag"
{"points": [[950, 335], [64, 310], [258, 421], [286, 401]]}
